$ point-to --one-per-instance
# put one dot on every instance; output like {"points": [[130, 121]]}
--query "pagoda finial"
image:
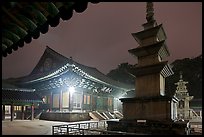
{"points": [[181, 77], [149, 12]]}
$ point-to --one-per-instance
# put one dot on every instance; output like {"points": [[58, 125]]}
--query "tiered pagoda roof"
{"points": [[159, 47], [152, 47]]}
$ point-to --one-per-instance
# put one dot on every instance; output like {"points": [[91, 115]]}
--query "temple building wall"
{"points": [[80, 102]]}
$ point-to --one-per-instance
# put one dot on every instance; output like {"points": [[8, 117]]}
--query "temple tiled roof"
{"points": [[92, 72], [18, 95], [100, 76], [12, 93], [24, 21], [68, 64]]}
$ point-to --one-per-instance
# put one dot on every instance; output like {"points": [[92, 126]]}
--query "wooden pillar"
{"points": [[22, 112], [91, 101], [60, 101], [200, 113], [69, 102], [50, 101], [12, 111], [3, 112], [32, 111], [82, 103]]}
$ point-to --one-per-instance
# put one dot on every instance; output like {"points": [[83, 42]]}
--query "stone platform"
{"points": [[150, 127]]}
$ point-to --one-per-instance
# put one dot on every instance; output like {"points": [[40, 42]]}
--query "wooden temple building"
{"points": [[151, 111], [18, 103], [70, 90]]}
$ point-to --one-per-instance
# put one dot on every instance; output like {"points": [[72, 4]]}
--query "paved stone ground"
{"points": [[29, 127], [41, 127]]}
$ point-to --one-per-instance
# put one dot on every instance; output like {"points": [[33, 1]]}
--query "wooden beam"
{"points": [[32, 112], [22, 112], [3, 112], [12, 111]]}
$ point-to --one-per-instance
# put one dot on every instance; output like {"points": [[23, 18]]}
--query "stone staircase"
{"points": [[95, 115], [109, 115], [118, 115]]}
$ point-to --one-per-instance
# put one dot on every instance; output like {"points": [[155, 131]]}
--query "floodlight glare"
{"points": [[71, 90]]}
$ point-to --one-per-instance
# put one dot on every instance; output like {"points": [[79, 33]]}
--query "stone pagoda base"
{"points": [[156, 108], [150, 127], [149, 115]]}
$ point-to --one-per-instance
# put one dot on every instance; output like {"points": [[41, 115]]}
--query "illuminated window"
{"points": [[56, 100], [65, 99], [48, 100], [88, 99], [110, 102], [7, 109], [84, 99], [17, 108], [77, 100]]}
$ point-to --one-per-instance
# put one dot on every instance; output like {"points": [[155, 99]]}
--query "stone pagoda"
{"points": [[151, 111], [183, 109], [150, 101]]}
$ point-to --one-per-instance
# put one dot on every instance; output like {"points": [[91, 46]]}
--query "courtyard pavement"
{"points": [[29, 127], [43, 127]]}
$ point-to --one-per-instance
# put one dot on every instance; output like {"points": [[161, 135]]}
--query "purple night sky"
{"points": [[100, 36]]}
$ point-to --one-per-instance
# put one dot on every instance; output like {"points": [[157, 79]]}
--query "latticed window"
{"points": [[65, 99], [56, 100], [110, 101], [77, 100], [17, 108], [47, 99], [86, 99]]}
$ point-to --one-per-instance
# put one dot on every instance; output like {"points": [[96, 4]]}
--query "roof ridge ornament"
{"points": [[181, 76], [149, 12]]}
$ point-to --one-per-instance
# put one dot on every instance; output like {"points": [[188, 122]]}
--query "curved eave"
{"points": [[8, 101], [24, 21], [157, 31], [147, 50], [139, 36], [51, 75], [18, 89], [76, 69]]}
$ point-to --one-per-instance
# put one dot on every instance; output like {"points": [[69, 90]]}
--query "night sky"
{"points": [[100, 36]]}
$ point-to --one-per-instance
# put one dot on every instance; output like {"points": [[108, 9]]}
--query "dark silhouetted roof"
{"points": [[24, 21]]}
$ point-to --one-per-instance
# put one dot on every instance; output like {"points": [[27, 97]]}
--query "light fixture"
{"points": [[71, 89]]}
